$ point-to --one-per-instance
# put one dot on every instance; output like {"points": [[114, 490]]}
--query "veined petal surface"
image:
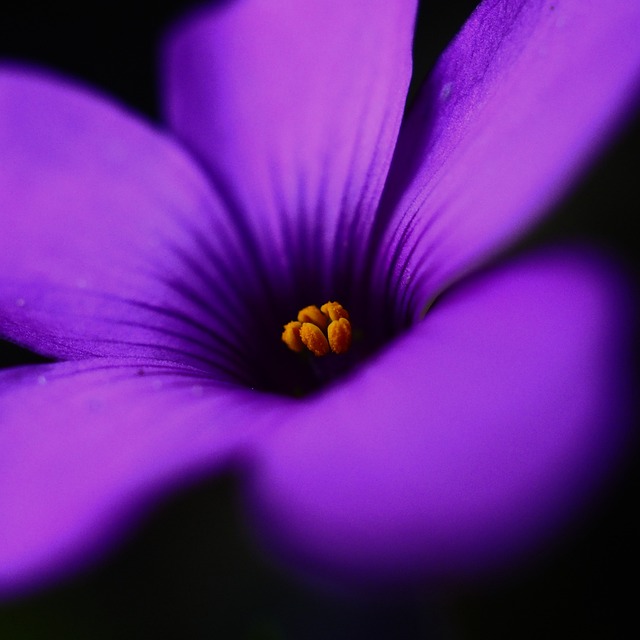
{"points": [[513, 112], [294, 107], [113, 242], [469, 439]]}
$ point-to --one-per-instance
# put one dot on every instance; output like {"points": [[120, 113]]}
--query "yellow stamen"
{"points": [[319, 330], [291, 336], [314, 339], [313, 315], [339, 334], [334, 310]]}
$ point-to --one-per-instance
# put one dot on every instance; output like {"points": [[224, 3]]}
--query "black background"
{"points": [[191, 572]]}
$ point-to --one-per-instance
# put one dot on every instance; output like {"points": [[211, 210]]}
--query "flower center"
{"points": [[319, 330]]}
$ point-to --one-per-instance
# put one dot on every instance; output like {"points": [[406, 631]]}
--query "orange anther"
{"points": [[313, 315], [314, 339], [334, 310], [339, 333], [291, 336]]}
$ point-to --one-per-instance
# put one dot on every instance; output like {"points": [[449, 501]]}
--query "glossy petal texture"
{"points": [[478, 432], [112, 242], [294, 108], [519, 103], [86, 447]]}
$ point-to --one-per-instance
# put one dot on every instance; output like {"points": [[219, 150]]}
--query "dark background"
{"points": [[191, 572]]}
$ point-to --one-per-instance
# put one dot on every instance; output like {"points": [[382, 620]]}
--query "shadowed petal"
{"points": [[112, 241], [470, 438], [523, 98], [85, 448], [295, 107]]}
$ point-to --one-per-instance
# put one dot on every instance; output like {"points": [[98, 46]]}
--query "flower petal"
{"points": [[112, 241], [295, 108], [86, 448], [471, 438], [521, 101]]}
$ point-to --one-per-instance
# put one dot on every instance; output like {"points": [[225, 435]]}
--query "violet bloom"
{"points": [[481, 401]]}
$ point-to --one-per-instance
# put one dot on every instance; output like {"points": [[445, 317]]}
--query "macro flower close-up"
{"points": [[470, 392]]}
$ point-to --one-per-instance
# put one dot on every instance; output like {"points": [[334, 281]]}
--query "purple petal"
{"points": [[112, 241], [469, 439], [294, 108], [85, 448], [516, 108]]}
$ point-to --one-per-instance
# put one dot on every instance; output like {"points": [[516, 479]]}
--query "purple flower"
{"points": [[482, 400]]}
